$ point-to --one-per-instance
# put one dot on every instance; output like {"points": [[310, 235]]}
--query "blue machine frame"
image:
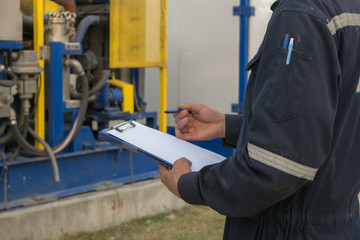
{"points": [[86, 165]]}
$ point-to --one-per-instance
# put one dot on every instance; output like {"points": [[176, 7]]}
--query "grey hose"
{"points": [[9, 83], [3, 127], [24, 133], [21, 140], [6, 138], [77, 123], [97, 87], [50, 152]]}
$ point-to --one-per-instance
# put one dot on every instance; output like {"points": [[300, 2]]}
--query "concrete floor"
{"points": [[87, 212]]}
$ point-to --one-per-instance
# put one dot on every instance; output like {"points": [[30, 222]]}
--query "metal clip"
{"points": [[122, 126], [44, 53]]}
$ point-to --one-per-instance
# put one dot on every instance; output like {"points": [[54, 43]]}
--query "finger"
{"points": [[181, 124], [181, 115], [193, 108], [185, 160], [183, 135], [162, 168]]}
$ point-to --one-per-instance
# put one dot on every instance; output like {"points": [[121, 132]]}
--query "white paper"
{"points": [[165, 146]]}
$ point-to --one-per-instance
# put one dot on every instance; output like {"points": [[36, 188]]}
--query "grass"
{"points": [[193, 222]]}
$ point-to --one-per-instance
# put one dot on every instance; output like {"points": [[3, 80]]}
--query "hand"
{"points": [[170, 178], [198, 122]]}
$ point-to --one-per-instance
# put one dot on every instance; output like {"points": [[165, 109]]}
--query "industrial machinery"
{"points": [[66, 73]]}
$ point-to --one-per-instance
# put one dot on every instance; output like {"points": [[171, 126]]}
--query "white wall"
{"points": [[203, 40]]}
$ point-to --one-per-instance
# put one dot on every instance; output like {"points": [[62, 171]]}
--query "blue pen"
{"points": [[173, 111], [290, 48], [286, 41]]}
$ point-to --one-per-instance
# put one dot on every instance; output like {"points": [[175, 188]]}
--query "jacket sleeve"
{"points": [[290, 111], [233, 125]]}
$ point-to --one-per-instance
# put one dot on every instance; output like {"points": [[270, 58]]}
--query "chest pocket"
{"points": [[288, 86]]}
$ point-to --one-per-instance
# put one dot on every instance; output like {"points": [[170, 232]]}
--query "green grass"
{"points": [[193, 222]]}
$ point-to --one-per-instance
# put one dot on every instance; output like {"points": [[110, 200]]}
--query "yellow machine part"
{"points": [[39, 41], [138, 33], [128, 91], [27, 6], [138, 39], [50, 6]]}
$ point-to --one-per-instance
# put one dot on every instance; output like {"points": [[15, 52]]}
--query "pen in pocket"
{"points": [[286, 41], [290, 49]]}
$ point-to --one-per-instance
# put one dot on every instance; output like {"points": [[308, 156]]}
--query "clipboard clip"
{"points": [[123, 126]]}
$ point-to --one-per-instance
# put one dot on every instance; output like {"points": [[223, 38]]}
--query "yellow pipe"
{"points": [[128, 91], [163, 79], [39, 41], [162, 100]]}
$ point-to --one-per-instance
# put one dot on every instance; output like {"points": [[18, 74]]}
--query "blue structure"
{"points": [[244, 11]]}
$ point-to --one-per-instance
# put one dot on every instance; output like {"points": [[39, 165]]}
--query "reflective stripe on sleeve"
{"points": [[343, 20], [281, 163]]}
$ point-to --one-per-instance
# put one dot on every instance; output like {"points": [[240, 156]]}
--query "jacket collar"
{"points": [[274, 5]]}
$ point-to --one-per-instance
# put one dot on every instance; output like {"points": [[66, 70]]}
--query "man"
{"points": [[296, 170]]}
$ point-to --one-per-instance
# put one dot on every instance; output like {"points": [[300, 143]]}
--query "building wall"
{"points": [[203, 46]]}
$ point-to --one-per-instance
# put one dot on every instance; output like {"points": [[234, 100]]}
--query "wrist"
{"points": [[222, 127]]}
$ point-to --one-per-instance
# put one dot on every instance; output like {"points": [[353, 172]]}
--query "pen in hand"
{"points": [[171, 111]]}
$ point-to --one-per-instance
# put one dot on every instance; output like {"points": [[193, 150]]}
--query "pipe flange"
{"points": [[27, 63]]}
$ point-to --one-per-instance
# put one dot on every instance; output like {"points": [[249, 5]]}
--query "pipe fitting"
{"points": [[76, 65], [12, 117]]}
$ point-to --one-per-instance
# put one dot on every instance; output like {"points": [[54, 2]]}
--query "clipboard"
{"points": [[161, 147]]}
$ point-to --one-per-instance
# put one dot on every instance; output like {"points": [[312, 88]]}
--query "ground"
{"points": [[193, 222]]}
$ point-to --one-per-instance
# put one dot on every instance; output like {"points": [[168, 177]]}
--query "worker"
{"points": [[296, 170]]}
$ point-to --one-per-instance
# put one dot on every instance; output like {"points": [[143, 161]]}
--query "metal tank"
{"points": [[11, 28]]}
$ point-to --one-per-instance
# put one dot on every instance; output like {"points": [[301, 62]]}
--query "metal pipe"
{"points": [[84, 26], [243, 55]]}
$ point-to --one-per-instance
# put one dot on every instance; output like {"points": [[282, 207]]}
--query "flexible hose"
{"points": [[24, 133], [9, 83], [50, 152], [21, 140], [6, 138], [77, 123], [97, 87], [3, 127], [84, 25]]}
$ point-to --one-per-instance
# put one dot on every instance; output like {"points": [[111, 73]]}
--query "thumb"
{"points": [[185, 160], [162, 168]]}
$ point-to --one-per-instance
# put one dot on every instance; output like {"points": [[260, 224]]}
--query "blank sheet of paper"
{"points": [[165, 146]]}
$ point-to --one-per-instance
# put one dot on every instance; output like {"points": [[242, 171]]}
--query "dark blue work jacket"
{"points": [[296, 170]]}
